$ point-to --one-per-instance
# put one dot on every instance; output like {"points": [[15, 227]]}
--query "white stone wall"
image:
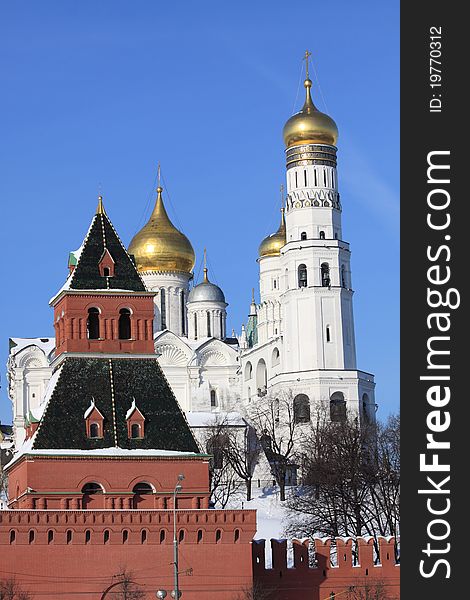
{"points": [[195, 368], [28, 375], [198, 320], [176, 291]]}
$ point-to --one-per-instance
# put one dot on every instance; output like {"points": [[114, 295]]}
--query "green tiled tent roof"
{"points": [[113, 383], [86, 275]]}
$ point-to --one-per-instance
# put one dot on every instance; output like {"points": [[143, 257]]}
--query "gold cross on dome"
{"points": [[306, 57], [205, 266]]}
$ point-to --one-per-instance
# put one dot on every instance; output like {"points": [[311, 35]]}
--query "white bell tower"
{"points": [[319, 325], [306, 342]]}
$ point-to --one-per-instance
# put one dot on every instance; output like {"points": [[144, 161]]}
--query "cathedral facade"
{"points": [[298, 339]]}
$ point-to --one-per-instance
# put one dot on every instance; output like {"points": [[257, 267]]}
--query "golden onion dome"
{"points": [[310, 126], [271, 245], [159, 246]]}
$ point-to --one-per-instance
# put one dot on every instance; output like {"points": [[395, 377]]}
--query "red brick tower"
{"points": [[92, 490]]}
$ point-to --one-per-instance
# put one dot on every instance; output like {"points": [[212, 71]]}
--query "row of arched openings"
{"points": [[92, 488], [302, 276], [261, 370], [321, 235], [209, 331], [322, 177], [338, 414], [93, 324], [144, 534], [87, 537]]}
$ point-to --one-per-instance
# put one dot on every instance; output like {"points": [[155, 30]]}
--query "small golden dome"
{"points": [[271, 245], [310, 126], [159, 246]]}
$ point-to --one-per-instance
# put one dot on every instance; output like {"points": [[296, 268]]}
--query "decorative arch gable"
{"points": [[170, 355], [172, 350], [214, 352], [212, 357], [32, 357]]}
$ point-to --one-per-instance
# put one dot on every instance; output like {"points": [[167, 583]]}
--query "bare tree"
{"points": [[256, 591], [3, 485], [279, 432], [383, 478], [368, 590], [11, 590], [242, 455], [350, 480], [127, 589], [223, 478]]}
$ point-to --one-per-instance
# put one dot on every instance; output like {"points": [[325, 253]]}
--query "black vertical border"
{"points": [[422, 132]]}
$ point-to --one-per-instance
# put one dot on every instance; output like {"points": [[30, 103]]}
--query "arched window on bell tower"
{"points": [[124, 324], [343, 276], [325, 275], [93, 324], [302, 275]]}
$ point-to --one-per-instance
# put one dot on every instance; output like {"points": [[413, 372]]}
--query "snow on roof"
{"points": [[35, 412], [111, 452], [46, 344], [90, 409], [74, 256], [195, 344], [50, 386], [66, 287], [132, 409], [209, 419]]}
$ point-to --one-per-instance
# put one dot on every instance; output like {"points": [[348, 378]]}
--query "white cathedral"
{"points": [[299, 338]]}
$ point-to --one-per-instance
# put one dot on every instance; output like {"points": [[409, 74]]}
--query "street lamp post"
{"points": [[178, 487], [175, 593]]}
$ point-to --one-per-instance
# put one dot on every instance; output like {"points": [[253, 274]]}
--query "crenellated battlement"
{"points": [[322, 567], [118, 527]]}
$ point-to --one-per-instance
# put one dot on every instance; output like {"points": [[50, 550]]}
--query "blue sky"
{"points": [[96, 93]]}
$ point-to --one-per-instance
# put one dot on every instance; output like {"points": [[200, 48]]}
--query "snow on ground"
{"points": [[271, 518], [270, 511]]}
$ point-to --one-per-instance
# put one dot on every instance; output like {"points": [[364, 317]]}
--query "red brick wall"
{"points": [[320, 582], [70, 322], [56, 482], [85, 569]]}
